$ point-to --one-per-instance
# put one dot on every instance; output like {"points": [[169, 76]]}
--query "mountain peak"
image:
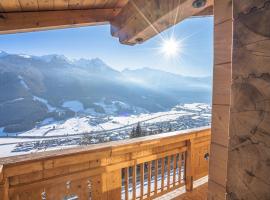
{"points": [[55, 57], [94, 65], [3, 53]]}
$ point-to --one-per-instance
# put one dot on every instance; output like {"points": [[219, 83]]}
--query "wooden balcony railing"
{"points": [[141, 168]]}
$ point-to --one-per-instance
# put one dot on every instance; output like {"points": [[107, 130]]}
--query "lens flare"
{"points": [[170, 47]]}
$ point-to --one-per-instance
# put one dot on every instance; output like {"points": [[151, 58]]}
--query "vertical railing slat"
{"points": [[189, 165], [162, 173], [149, 178], [134, 182], [174, 169], [142, 180], [126, 183], [156, 177], [180, 168], [168, 172]]}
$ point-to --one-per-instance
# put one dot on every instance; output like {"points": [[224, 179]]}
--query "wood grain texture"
{"points": [[33, 21], [64, 173], [249, 146], [140, 20], [199, 193]]}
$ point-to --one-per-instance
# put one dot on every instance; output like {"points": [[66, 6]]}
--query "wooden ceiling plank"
{"points": [[10, 6], [120, 3], [101, 3], [29, 5], [75, 4], [139, 20], [88, 4], [46, 4], [33, 21], [60, 4]]}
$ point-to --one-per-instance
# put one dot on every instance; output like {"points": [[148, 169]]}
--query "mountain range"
{"points": [[35, 88]]}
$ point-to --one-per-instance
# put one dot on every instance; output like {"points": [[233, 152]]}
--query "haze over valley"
{"points": [[44, 97]]}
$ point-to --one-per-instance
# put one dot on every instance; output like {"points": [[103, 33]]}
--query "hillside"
{"points": [[34, 89]]}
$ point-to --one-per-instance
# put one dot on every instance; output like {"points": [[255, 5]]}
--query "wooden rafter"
{"points": [[140, 20], [14, 22]]}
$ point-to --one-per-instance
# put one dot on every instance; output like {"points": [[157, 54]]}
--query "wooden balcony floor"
{"points": [[199, 192]]}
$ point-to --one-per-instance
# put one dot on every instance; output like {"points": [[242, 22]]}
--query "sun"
{"points": [[170, 47]]}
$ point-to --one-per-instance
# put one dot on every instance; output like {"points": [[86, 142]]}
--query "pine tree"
{"points": [[139, 130], [170, 128], [133, 133]]}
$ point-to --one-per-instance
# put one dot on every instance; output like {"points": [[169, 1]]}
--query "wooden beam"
{"points": [[15, 22], [140, 20]]}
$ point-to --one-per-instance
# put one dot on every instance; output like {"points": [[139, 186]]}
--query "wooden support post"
{"points": [[4, 185], [107, 186], [189, 166], [6, 190]]}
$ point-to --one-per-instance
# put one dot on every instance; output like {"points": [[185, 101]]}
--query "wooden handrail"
{"points": [[96, 170]]}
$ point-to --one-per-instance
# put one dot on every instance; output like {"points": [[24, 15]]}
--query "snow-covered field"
{"points": [[66, 133]]}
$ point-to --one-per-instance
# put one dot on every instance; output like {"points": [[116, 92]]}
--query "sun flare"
{"points": [[170, 47]]}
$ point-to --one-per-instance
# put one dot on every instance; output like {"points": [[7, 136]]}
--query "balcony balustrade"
{"points": [[141, 168]]}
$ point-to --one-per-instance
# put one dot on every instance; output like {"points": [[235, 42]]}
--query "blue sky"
{"points": [[196, 58]]}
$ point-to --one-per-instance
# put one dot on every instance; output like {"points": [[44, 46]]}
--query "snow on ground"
{"points": [[44, 101], [79, 125], [75, 106], [11, 101], [25, 56], [193, 106], [47, 121], [23, 82], [117, 127]]}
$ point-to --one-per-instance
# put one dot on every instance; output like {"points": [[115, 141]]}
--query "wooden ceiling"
{"points": [[132, 21], [46, 5]]}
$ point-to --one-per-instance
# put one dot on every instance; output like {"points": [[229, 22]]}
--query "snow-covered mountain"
{"points": [[37, 88]]}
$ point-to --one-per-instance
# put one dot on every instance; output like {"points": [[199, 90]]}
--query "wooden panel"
{"points": [[33, 21], [223, 43], [220, 124], [222, 11], [10, 6], [75, 4], [249, 120], [113, 185], [218, 164], [201, 162], [216, 191], [60, 4], [221, 84], [29, 5], [45, 4]]}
